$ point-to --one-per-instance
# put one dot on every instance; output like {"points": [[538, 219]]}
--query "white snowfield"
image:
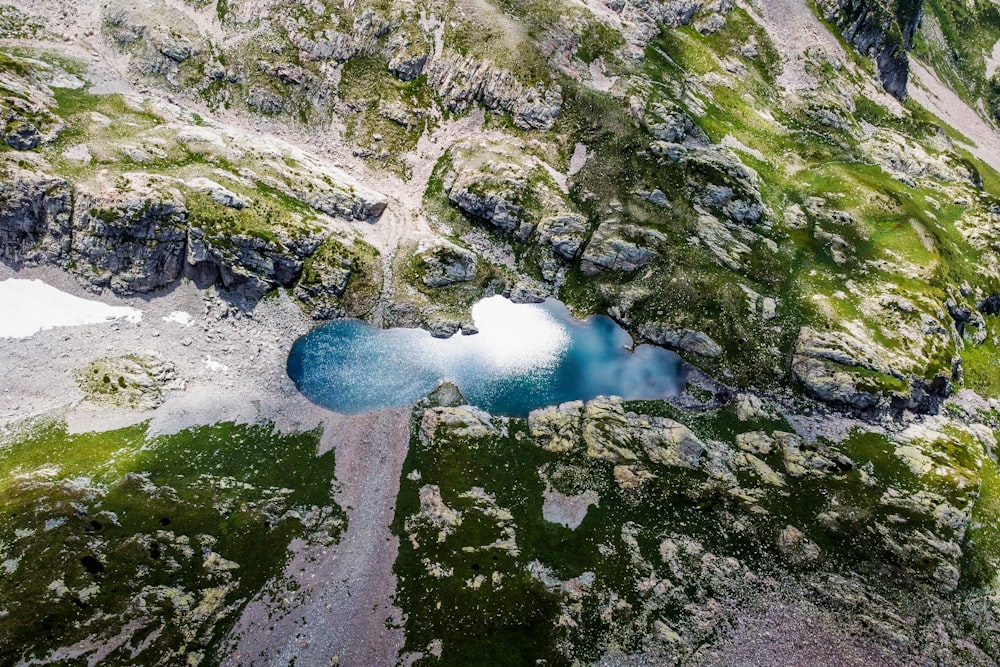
{"points": [[179, 317], [30, 306]]}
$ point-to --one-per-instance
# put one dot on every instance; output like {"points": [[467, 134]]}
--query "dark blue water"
{"points": [[525, 356]]}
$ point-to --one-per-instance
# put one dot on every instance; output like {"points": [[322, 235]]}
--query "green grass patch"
{"points": [[168, 535]]}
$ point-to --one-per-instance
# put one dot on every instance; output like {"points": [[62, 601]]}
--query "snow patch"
{"points": [[215, 366], [30, 306], [180, 317]]}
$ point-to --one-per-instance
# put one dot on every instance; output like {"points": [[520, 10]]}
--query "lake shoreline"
{"points": [[524, 357], [231, 367]]}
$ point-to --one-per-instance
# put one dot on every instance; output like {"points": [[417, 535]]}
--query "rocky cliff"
{"points": [[883, 31]]}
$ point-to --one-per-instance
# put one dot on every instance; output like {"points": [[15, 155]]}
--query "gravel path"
{"points": [[795, 19], [779, 632], [342, 603], [927, 89], [798, 30]]}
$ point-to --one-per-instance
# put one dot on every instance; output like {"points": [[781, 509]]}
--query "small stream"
{"points": [[525, 356]]}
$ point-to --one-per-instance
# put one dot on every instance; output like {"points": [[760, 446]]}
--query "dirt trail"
{"points": [[804, 31], [343, 605], [799, 31], [927, 89]]}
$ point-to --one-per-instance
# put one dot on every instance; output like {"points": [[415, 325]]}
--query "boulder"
{"points": [[669, 443], [566, 233], [22, 136], [610, 248], [219, 194], [685, 340], [754, 442], [447, 264], [796, 549], [464, 421], [990, 305], [804, 459]]}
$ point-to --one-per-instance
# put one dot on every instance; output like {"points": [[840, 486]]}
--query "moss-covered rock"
{"points": [[134, 381]]}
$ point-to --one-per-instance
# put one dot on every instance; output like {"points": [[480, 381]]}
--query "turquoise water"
{"points": [[525, 356]]}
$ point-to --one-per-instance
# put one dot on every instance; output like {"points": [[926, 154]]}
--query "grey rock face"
{"points": [[644, 18], [265, 101], [529, 292], [358, 203], [717, 178], [252, 266], [159, 37], [606, 431], [462, 81], [498, 207], [883, 31], [35, 218], [321, 287], [329, 45], [823, 368], [447, 264], [322, 297], [685, 340], [407, 67], [845, 370], [132, 241], [367, 28], [291, 75], [610, 250], [138, 238], [22, 136], [565, 233]]}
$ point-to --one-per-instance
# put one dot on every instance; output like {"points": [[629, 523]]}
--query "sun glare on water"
{"points": [[514, 338]]}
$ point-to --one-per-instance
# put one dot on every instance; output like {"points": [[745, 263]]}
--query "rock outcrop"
{"points": [[717, 179], [620, 247], [604, 430], [502, 184], [460, 81], [842, 369], [684, 340], [881, 30], [565, 233], [36, 212], [447, 264], [131, 238], [137, 235]]}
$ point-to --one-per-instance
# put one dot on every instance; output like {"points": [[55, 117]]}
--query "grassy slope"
{"points": [[167, 535]]}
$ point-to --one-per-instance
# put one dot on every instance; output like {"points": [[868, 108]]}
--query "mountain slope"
{"points": [[800, 198]]}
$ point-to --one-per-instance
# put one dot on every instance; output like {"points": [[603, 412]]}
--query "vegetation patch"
{"points": [[130, 548]]}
